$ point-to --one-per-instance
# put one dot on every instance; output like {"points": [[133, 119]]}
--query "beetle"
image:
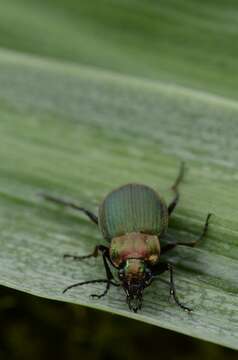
{"points": [[133, 219]]}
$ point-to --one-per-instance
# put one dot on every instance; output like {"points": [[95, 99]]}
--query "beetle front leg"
{"points": [[94, 253], [161, 268], [173, 290], [105, 255], [104, 250]]}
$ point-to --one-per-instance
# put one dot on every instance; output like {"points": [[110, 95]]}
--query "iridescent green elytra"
{"points": [[132, 208], [133, 219]]}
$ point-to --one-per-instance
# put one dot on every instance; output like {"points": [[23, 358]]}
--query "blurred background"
{"points": [[190, 43], [35, 328]]}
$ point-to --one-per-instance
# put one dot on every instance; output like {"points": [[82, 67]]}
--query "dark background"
{"points": [[35, 328]]}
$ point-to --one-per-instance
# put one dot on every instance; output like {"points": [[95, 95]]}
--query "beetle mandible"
{"points": [[133, 219]]}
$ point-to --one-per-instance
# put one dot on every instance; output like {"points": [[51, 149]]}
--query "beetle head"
{"points": [[134, 275]]}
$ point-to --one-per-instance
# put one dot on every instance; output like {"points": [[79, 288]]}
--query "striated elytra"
{"points": [[133, 219], [132, 208]]}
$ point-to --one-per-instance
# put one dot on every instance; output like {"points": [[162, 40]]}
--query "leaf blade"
{"points": [[79, 133]]}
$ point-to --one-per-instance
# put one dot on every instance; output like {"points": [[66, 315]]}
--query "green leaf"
{"points": [[77, 132], [193, 43]]}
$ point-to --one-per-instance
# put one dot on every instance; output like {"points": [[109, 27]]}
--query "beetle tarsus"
{"points": [[172, 291], [174, 188], [98, 296], [182, 306], [82, 257], [205, 228], [179, 178]]}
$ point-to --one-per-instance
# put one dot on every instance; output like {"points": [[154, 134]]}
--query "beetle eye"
{"points": [[148, 276]]}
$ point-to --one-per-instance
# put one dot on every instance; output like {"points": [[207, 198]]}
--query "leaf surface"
{"points": [[78, 132]]}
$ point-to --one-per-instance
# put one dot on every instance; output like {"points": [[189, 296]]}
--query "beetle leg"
{"points": [[109, 283], [94, 253], [174, 188], [205, 228], [98, 248], [72, 205], [105, 255], [171, 246], [173, 290], [161, 268], [89, 282], [99, 296]]}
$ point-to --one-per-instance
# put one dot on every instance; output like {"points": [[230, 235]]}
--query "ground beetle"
{"points": [[133, 219]]}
